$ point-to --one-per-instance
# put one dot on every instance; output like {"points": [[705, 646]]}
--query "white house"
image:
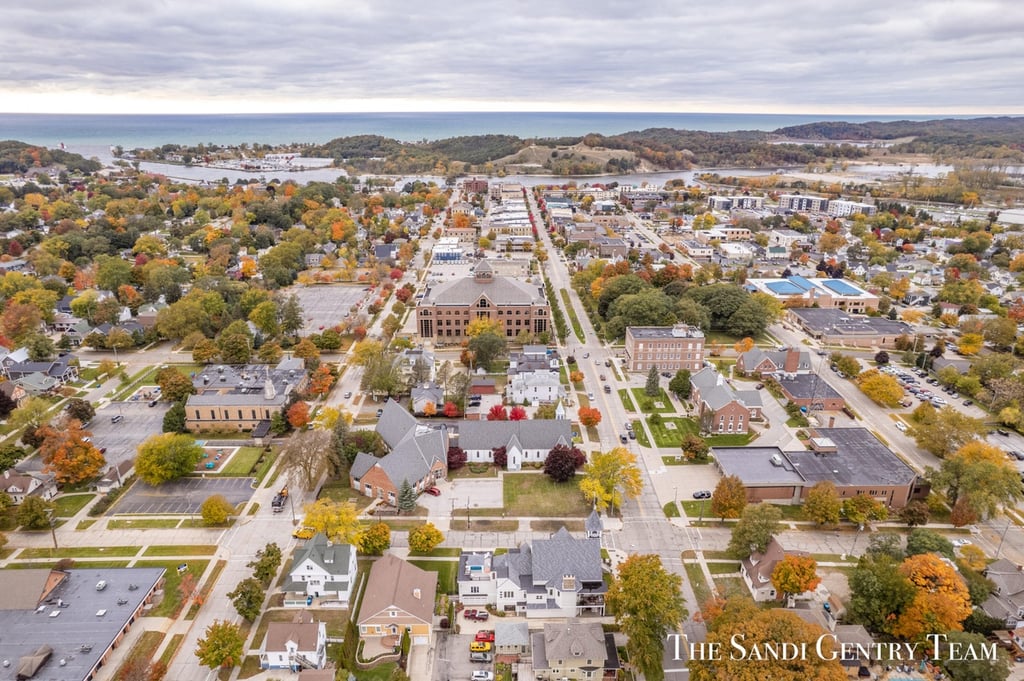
{"points": [[556, 577], [524, 441], [301, 644], [535, 387], [323, 570], [19, 485]]}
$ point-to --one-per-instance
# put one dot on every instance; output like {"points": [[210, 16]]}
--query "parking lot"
{"points": [[325, 306], [182, 496], [123, 438]]}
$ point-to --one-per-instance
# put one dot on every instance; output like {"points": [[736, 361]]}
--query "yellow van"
{"points": [[480, 647]]}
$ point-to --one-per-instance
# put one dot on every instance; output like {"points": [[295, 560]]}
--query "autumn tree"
{"points": [[695, 448], [589, 416], [298, 414], [882, 389], [247, 597], [740, 616], [822, 504], [729, 498], [795, 574], [456, 458], [68, 455], [425, 538], [34, 513], [981, 475], [339, 520], [756, 527], [497, 413], [862, 508], [321, 381], [429, 409], [944, 431], [167, 456], [375, 540], [216, 510], [915, 513], [80, 409], [222, 645], [562, 461], [174, 385], [648, 605], [517, 414], [576, 376], [941, 601], [451, 410], [610, 477]]}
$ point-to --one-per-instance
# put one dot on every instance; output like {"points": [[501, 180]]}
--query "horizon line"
{"points": [[517, 111]]}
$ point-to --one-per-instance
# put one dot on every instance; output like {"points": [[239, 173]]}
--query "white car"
{"points": [[961, 542], [900, 426], [590, 395], [480, 675]]}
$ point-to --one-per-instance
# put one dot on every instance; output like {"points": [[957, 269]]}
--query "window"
{"points": [[474, 589], [392, 613]]}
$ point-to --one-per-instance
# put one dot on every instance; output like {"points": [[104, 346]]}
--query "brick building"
{"points": [[669, 348]]}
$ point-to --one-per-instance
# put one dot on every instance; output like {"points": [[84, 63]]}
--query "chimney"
{"points": [[831, 421], [792, 362], [417, 594]]}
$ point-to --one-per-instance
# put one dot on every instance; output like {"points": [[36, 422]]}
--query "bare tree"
{"points": [[305, 455]]}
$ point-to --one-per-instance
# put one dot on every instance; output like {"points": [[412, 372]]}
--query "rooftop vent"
{"points": [[776, 460]]}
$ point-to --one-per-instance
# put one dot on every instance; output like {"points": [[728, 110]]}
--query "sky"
{"points": [[798, 56]]}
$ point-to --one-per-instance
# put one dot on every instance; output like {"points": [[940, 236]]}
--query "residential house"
{"points": [[427, 393], [14, 392], [416, 361], [512, 639], [756, 570], [573, 651], [115, 476], [60, 369], [19, 485], [535, 387], [419, 455], [556, 577], [1006, 602], [763, 363], [321, 569], [399, 597], [295, 645], [721, 408], [527, 441], [533, 358]]}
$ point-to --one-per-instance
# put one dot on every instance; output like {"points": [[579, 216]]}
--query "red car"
{"points": [[433, 491], [485, 635], [470, 614]]}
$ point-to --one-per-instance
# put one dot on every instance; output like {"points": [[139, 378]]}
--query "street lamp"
{"points": [[1001, 538], [50, 515]]}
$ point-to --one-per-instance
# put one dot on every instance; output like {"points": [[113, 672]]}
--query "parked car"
{"points": [[480, 647], [481, 675], [433, 491], [481, 657], [304, 533], [602, 377], [1004, 433], [608, 389], [586, 355], [152, 403], [348, 394], [702, 494], [632, 435], [485, 635], [968, 403], [900, 426], [116, 418], [623, 439], [590, 395], [961, 542]]}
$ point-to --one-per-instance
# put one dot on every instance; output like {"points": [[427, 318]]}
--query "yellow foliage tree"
{"points": [[744, 345], [880, 388], [971, 343], [339, 520], [610, 477], [483, 325], [912, 316]]}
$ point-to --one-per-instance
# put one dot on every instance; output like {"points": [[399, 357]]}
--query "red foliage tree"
{"points": [[500, 455], [451, 410], [298, 414], [396, 274], [456, 458], [359, 333], [517, 414], [403, 294], [14, 248], [497, 413]]}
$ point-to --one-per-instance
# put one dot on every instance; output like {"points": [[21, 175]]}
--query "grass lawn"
{"points": [[85, 524], [723, 568], [243, 462], [69, 505], [171, 603], [143, 650], [627, 402], [682, 461], [671, 510], [440, 552], [730, 440], [172, 647], [555, 525], [647, 403], [403, 524], [532, 494], [82, 552], [666, 437], [342, 491], [184, 550], [92, 563], [382, 672], [691, 507], [143, 524], [731, 586], [700, 586], [250, 667], [641, 434], [475, 470], [573, 319], [484, 525], [445, 570]]}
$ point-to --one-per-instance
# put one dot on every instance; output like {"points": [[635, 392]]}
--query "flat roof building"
{"points": [[798, 291], [669, 348], [835, 327]]}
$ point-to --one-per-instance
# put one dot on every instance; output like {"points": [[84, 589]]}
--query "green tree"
{"points": [[862, 508], [34, 513], [755, 529], [974, 670], [174, 418], [822, 504], [651, 388], [268, 560], [879, 592], [680, 384], [486, 347], [610, 477], [915, 513], [80, 409], [375, 540], [32, 413], [248, 597], [406, 498], [167, 456], [648, 605], [925, 541], [291, 315], [222, 645], [216, 510], [425, 538], [945, 431], [265, 317], [729, 498]]}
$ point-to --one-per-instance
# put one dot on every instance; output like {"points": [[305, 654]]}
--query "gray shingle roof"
{"points": [[574, 640], [564, 554], [499, 291], [332, 558], [542, 434]]}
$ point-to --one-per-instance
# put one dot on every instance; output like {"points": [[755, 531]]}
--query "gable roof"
{"points": [[511, 633], [393, 583], [304, 633], [564, 554], [331, 558], [574, 640], [531, 434], [394, 423]]}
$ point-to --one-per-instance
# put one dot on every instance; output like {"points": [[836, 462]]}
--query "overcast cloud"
{"points": [[864, 56]]}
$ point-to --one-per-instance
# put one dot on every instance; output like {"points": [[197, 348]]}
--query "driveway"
{"points": [[182, 496]]}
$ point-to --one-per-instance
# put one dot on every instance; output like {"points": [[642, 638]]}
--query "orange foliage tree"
{"points": [[941, 603], [68, 456], [298, 414], [321, 381], [795, 574], [589, 416]]}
